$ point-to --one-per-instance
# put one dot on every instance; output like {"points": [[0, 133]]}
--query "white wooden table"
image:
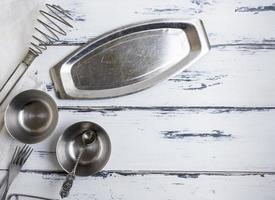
{"points": [[208, 133]]}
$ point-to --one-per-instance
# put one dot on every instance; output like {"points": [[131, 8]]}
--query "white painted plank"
{"points": [[171, 139], [226, 21], [150, 186], [224, 77], [227, 76]]}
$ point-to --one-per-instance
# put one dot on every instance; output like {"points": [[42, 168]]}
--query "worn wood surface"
{"points": [[135, 185], [172, 139], [207, 133]]}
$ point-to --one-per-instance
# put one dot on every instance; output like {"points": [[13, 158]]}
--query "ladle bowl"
{"points": [[95, 156]]}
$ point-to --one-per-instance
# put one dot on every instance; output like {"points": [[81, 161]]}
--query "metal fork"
{"points": [[20, 155]]}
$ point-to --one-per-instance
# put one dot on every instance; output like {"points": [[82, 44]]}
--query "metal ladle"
{"points": [[87, 138]]}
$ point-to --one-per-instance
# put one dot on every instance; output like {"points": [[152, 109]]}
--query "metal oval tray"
{"points": [[130, 59]]}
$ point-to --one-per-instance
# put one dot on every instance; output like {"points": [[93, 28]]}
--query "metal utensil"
{"points": [[31, 116], [95, 156], [19, 158], [88, 137], [17, 196], [130, 59], [48, 33]]}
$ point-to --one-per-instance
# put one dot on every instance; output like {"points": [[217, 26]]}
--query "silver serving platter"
{"points": [[130, 59]]}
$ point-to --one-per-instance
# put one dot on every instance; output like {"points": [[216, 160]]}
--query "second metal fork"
{"points": [[19, 158]]}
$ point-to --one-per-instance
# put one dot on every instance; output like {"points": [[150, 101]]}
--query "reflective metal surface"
{"points": [[88, 137], [50, 28], [94, 156], [130, 59], [31, 116], [20, 156], [17, 196]]}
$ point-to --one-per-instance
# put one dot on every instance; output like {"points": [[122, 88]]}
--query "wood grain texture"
{"points": [[216, 119], [173, 139], [227, 22], [232, 74], [121, 185], [227, 76]]}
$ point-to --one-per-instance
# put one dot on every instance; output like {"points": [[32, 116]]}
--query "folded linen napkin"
{"points": [[17, 19]]}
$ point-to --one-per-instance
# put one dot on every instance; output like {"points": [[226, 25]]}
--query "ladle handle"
{"points": [[68, 183]]}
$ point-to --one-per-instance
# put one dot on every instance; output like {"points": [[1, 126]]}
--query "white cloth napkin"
{"points": [[17, 19]]}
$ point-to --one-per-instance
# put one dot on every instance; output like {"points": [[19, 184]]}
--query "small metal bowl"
{"points": [[31, 116], [94, 157]]}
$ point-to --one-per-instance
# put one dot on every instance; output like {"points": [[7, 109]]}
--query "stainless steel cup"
{"points": [[31, 116], [94, 157]]}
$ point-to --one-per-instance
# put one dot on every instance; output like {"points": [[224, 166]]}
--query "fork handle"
{"points": [[3, 184], [5, 193], [3, 187], [6, 184]]}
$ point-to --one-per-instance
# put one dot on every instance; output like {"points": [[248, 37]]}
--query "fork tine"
{"points": [[24, 155], [24, 150], [14, 153], [27, 156], [21, 154], [16, 156], [20, 151], [25, 147]]}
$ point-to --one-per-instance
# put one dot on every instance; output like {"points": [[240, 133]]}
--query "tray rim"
{"points": [[60, 74]]}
